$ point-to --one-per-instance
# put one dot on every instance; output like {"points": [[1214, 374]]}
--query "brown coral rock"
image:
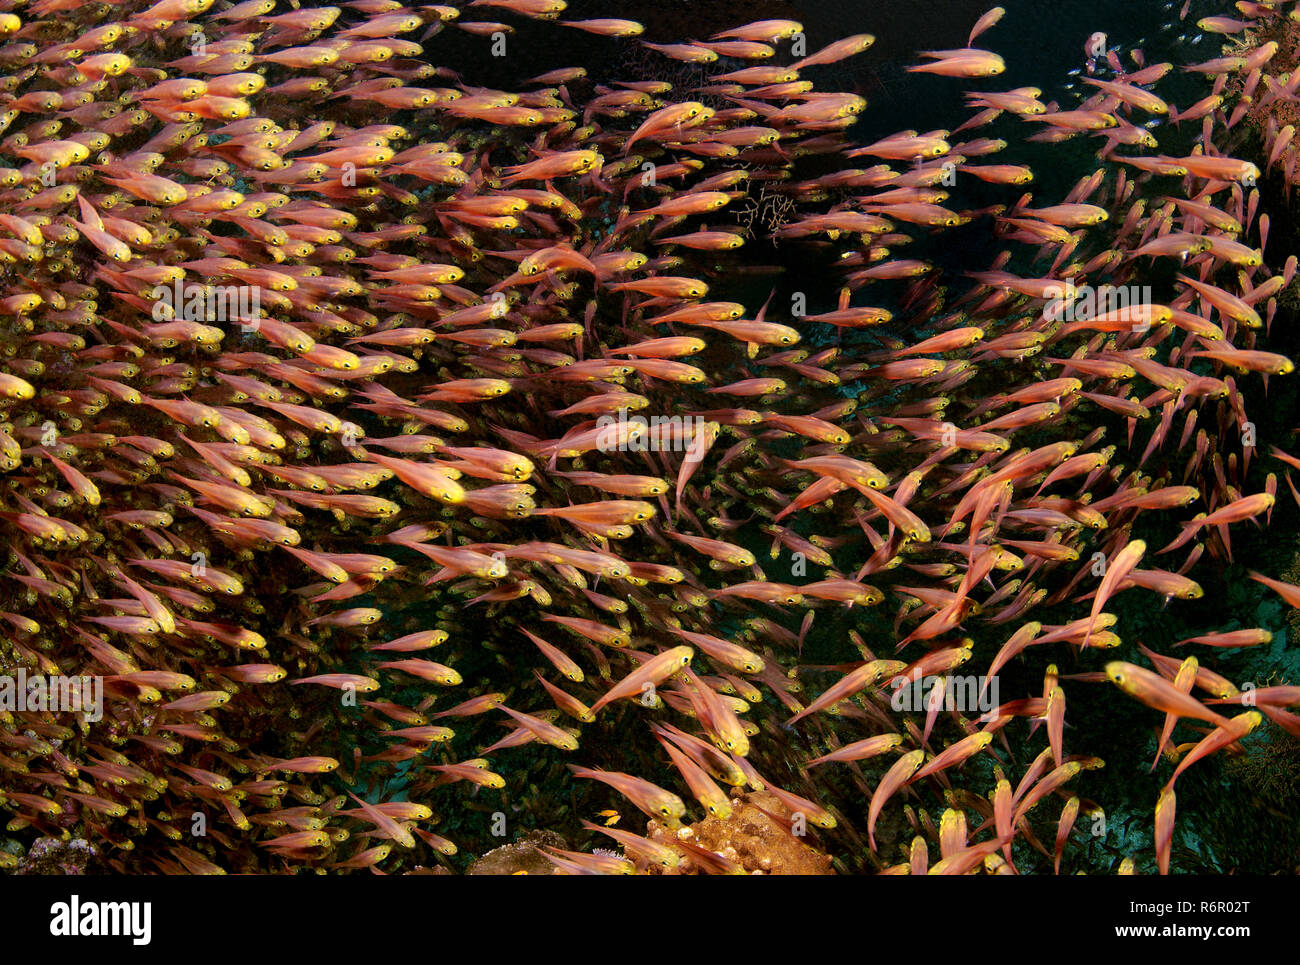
{"points": [[522, 856], [749, 838]]}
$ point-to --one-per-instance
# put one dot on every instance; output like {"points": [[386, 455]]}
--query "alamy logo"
{"points": [[1071, 303], [624, 433], [74, 918], [206, 303], [960, 692], [21, 693]]}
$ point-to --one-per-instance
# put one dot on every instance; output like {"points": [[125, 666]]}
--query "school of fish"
{"points": [[318, 424]]}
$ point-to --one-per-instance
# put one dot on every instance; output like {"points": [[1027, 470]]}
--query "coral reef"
{"points": [[522, 857], [755, 837], [51, 856]]}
